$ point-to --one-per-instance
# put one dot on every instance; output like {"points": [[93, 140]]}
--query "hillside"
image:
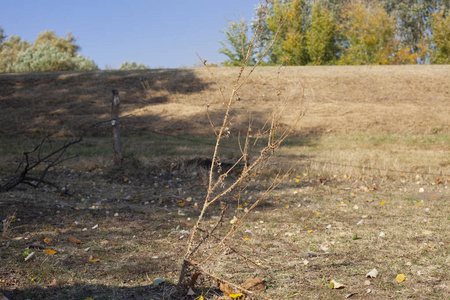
{"points": [[344, 99]]}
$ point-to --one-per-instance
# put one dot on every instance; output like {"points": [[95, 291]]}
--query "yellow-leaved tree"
{"points": [[368, 34]]}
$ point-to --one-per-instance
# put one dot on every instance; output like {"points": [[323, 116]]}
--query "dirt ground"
{"points": [[381, 202]]}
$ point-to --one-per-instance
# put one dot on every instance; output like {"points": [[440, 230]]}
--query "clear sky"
{"points": [[158, 33]]}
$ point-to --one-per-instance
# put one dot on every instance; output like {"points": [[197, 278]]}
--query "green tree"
{"points": [[133, 66], [414, 19], [46, 58], [236, 44], [440, 38], [290, 47], [321, 36], [368, 33], [48, 53]]}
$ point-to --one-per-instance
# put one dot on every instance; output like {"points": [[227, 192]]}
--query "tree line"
{"points": [[47, 53], [349, 32]]}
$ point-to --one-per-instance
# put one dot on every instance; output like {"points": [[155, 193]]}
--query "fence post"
{"points": [[116, 127]]}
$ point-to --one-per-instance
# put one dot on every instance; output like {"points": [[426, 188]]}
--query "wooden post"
{"points": [[116, 127]]}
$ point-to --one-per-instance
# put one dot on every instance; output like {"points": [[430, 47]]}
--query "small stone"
{"points": [[158, 281]]}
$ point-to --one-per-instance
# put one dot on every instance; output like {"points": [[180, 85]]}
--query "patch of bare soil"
{"points": [[123, 228]]}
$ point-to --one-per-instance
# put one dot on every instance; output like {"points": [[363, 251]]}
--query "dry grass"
{"points": [[362, 126]]}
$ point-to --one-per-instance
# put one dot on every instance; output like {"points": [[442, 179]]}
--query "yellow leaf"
{"points": [[95, 260], [383, 202], [400, 278], [287, 206], [181, 204], [235, 296], [246, 239], [418, 203], [50, 251], [318, 213], [48, 240], [310, 231]]}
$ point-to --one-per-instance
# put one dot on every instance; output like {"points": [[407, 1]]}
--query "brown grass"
{"points": [[342, 100]]}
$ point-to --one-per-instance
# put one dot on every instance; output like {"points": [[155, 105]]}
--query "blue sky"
{"points": [[158, 33]]}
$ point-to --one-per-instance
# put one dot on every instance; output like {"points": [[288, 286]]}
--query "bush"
{"points": [[45, 58], [133, 66]]}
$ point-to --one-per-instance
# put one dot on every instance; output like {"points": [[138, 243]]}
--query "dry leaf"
{"points": [[48, 240], [254, 284], [75, 240], [372, 274], [335, 285], [400, 278], [349, 295], [226, 289], [94, 260], [53, 283], [50, 251]]}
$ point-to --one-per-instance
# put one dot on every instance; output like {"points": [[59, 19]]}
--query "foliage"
{"points": [[9, 51], [45, 58], [440, 39], [48, 53], [290, 48], [321, 36], [133, 66], [236, 42], [355, 32], [368, 33]]}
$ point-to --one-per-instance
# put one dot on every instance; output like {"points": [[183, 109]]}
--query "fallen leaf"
{"points": [[226, 289], [48, 240], [53, 283], [335, 285], [372, 274], [50, 251], [233, 220], [439, 180], [351, 294], [254, 284], [400, 278], [94, 260], [75, 240]]}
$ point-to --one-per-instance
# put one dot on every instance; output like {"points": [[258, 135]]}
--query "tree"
{"points": [[440, 38], [236, 42], [290, 47], [414, 19], [133, 66], [321, 36], [368, 34], [9, 51], [64, 45], [47, 53]]}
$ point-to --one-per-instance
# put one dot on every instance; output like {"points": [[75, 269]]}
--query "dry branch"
{"points": [[26, 172], [219, 187]]}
